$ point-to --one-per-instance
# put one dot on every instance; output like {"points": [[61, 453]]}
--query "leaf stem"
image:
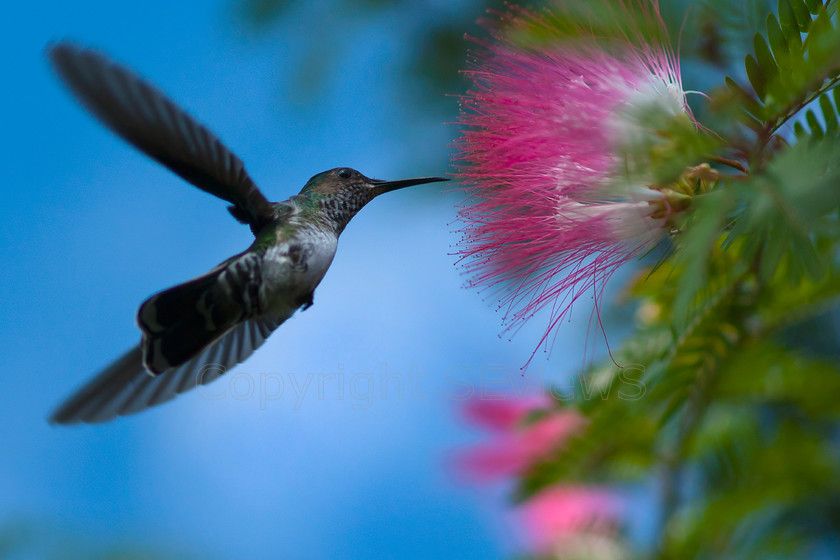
{"points": [[797, 105], [733, 163]]}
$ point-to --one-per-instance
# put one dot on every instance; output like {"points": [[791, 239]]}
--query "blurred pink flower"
{"points": [[502, 414], [560, 519], [517, 446], [552, 211]]}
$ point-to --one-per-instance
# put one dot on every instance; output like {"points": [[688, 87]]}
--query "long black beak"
{"points": [[381, 187]]}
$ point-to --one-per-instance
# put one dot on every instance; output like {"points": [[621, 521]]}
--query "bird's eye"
{"points": [[344, 173]]}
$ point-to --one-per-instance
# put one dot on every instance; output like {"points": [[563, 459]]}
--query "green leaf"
{"points": [[816, 130], [775, 245], [783, 303], [830, 117], [787, 73], [803, 17], [789, 25], [766, 62], [756, 76], [783, 207], [751, 486], [699, 244], [806, 253], [813, 6], [776, 39], [806, 177], [749, 103]]}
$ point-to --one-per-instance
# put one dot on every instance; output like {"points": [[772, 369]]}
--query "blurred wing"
{"points": [[125, 387], [147, 119]]}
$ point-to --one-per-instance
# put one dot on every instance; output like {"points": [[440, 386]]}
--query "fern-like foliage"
{"points": [[794, 63], [711, 396]]}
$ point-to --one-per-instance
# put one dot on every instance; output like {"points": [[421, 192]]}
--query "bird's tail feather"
{"points": [[125, 387], [87, 404]]}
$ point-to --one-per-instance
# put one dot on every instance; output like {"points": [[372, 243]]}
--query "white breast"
{"points": [[322, 246], [294, 268]]}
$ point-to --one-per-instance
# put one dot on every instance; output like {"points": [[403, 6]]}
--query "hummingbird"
{"points": [[192, 333]]}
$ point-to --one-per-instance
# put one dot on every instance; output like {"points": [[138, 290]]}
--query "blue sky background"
{"points": [[91, 227]]}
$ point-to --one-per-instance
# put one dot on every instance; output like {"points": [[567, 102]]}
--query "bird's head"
{"points": [[345, 180], [342, 191]]}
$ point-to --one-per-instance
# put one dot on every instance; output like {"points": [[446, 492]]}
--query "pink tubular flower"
{"points": [[517, 446], [550, 132], [563, 521]]}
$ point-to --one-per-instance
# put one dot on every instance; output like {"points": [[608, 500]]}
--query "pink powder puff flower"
{"points": [[517, 446], [502, 414], [548, 130], [573, 521]]}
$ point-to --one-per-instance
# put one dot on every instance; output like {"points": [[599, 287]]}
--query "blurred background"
{"points": [[90, 228], [312, 468]]}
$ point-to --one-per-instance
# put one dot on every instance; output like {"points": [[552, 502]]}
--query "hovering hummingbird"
{"points": [[193, 332]]}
